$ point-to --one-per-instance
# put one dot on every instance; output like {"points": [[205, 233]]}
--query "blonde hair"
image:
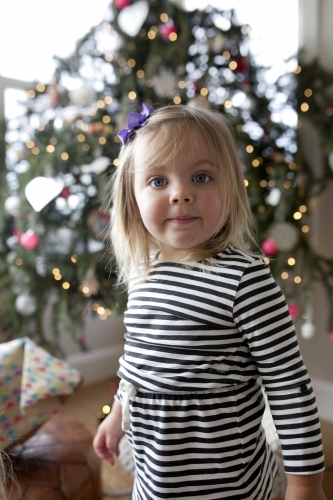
{"points": [[159, 141]]}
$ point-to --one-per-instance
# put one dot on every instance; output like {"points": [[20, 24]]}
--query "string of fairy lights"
{"points": [[132, 95]]}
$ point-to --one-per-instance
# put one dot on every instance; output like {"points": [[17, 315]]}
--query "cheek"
{"points": [[150, 210], [214, 208]]}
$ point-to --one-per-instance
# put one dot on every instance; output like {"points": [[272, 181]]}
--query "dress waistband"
{"points": [[128, 391]]}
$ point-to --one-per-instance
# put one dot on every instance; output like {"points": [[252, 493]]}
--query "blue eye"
{"points": [[201, 178], [157, 182]]}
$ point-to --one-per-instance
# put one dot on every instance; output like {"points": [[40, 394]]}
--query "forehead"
{"points": [[168, 146]]}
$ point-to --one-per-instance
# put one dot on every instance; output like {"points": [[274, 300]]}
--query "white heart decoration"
{"points": [[131, 18], [97, 166], [41, 190]]}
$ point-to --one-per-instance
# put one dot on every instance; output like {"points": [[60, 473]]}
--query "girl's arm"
{"points": [[262, 316], [109, 434], [305, 487]]}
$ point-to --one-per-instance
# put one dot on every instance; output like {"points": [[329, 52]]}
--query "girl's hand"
{"points": [[109, 434], [305, 487]]}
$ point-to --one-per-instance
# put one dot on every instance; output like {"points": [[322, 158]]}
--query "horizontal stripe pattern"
{"points": [[214, 327]]}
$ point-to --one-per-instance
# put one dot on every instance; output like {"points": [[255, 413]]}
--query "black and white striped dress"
{"points": [[197, 341]]}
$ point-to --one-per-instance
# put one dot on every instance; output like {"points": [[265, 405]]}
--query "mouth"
{"points": [[182, 219]]}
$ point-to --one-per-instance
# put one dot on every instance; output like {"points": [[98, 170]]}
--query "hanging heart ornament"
{"points": [[41, 190], [131, 18]]}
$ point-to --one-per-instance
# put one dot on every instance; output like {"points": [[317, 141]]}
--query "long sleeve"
{"points": [[262, 316]]}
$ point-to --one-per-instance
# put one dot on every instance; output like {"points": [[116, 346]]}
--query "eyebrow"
{"points": [[200, 162], [191, 165]]}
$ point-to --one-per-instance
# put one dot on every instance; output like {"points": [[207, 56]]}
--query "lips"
{"points": [[182, 219]]}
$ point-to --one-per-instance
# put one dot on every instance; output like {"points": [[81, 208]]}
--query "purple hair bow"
{"points": [[135, 121]]}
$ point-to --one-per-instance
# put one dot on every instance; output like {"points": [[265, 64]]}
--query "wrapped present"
{"points": [[33, 386]]}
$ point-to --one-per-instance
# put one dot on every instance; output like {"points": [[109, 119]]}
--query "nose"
{"points": [[181, 195]]}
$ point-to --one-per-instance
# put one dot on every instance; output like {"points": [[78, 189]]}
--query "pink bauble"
{"points": [[269, 247], [293, 309], [121, 4], [65, 193], [29, 240], [331, 337], [167, 29]]}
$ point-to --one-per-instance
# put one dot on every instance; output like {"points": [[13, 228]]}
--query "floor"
{"points": [[88, 401]]}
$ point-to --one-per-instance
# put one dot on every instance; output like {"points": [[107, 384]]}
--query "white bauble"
{"points": [[12, 205], [284, 234], [25, 304], [164, 83], [82, 96], [217, 42], [12, 242], [308, 330]]}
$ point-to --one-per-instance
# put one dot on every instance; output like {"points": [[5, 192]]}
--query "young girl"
{"points": [[205, 320]]}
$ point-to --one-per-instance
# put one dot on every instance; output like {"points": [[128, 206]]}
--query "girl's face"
{"points": [[181, 202]]}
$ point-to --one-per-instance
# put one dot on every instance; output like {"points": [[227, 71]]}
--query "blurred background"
{"points": [[70, 73]]}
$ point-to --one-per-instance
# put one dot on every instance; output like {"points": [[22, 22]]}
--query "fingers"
{"points": [[106, 446], [108, 436]]}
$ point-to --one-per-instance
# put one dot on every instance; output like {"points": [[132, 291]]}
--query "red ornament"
{"points": [[329, 109], [81, 339], [167, 29], [121, 4], [331, 337], [65, 193], [242, 65], [29, 240], [104, 216], [293, 309], [269, 247]]}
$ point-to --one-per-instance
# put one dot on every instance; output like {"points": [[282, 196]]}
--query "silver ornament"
{"points": [[164, 83], [284, 234], [25, 304], [40, 262], [12, 242], [12, 205], [82, 96]]}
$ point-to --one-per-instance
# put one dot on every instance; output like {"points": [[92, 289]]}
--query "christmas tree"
{"points": [[60, 154]]}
